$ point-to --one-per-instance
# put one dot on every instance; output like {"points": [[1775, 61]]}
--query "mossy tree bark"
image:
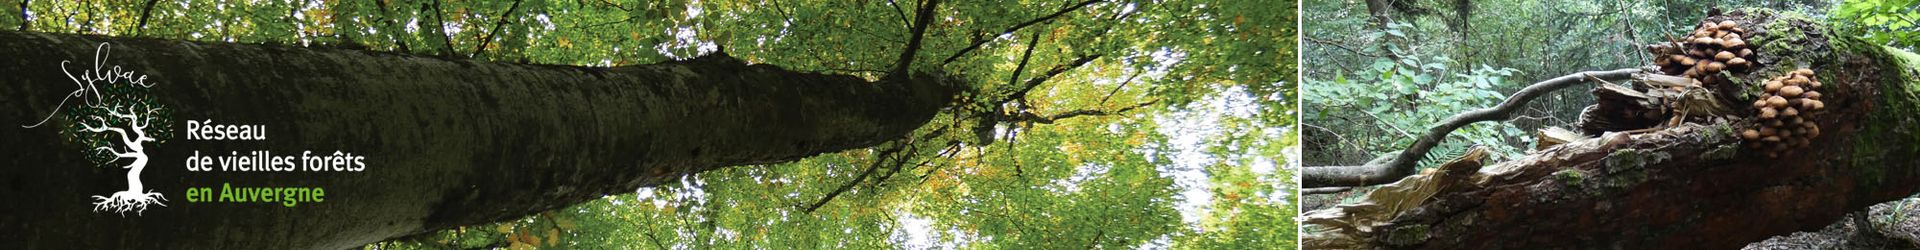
{"points": [[447, 142], [1694, 186]]}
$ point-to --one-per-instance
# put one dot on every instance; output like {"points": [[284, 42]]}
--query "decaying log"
{"points": [[1691, 186], [1619, 108]]}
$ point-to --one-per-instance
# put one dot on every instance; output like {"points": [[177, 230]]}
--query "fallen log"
{"points": [[1695, 185]]}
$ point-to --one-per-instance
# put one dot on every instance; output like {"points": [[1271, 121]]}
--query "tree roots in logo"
{"points": [[125, 201]]}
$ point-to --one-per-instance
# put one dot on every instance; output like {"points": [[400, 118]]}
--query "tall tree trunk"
{"points": [[1694, 186], [446, 142]]}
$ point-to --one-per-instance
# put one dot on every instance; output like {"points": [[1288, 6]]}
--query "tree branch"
{"points": [[1031, 117], [109, 150], [924, 17], [1392, 167], [952, 148], [105, 127], [1024, 58], [1123, 85], [496, 29], [86, 23], [912, 148], [896, 11], [1056, 71], [598, 25], [788, 16], [140, 124], [392, 32], [655, 241], [1324, 190], [980, 40], [1097, 234], [857, 179], [440, 19], [24, 21], [144, 14]]}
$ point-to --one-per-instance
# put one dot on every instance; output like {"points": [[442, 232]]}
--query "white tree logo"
{"points": [[134, 198], [112, 98]]}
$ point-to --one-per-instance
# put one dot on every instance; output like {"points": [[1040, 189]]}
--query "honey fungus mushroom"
{"points": [[1783, 117], [1712, 48]]}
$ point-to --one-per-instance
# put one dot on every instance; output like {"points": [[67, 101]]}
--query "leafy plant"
{"points": [[1888, 22], [1406, 96]]}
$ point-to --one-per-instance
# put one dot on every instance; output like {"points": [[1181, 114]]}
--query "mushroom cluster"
{"points": [[1785, 113], [1713, 48]]}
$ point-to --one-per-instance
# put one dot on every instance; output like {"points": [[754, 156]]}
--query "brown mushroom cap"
{"points": [[1791, 91], [1777, 102], [1735, 42], [1785, 111], [1704, 40]]}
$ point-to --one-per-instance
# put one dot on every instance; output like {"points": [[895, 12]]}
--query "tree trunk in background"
{"points": [[1695, 186], [1378, 10], [447, 142]]}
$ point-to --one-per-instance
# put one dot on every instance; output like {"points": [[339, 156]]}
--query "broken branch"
{"points": [[1392, 167]]}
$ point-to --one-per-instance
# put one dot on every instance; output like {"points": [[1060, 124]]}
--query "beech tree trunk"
{"points": [[446, 142], [1694, 186]]}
